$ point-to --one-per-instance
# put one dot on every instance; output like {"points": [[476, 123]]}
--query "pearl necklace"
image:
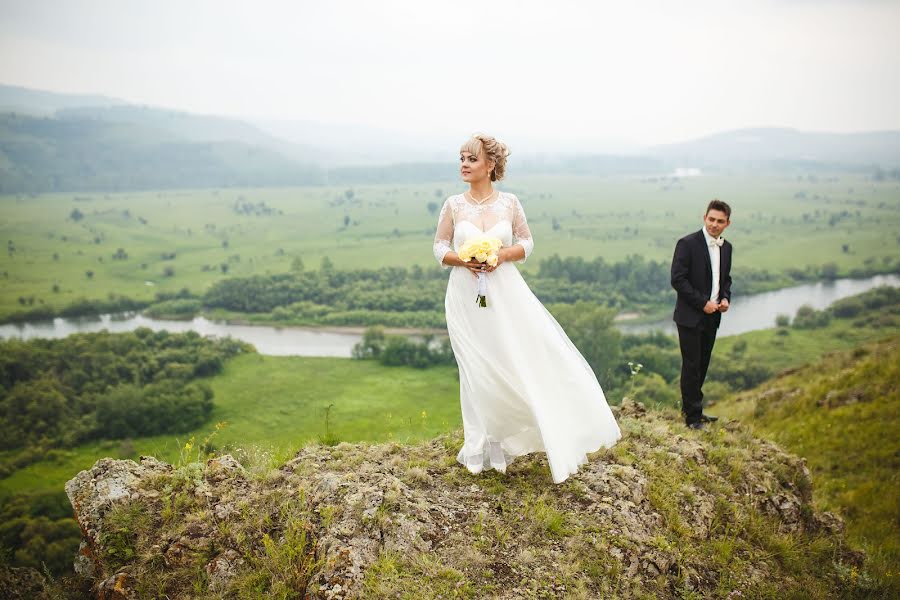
{"points": [[483, 200]]}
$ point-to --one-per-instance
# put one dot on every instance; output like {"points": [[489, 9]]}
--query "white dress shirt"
{"points": [[714, 259]]}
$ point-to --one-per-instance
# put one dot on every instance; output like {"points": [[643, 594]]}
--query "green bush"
{"points": [[810, 318], [182, 309], [166, 407], [38, 530], [395, 350], [665, 362], [738, 375], [654, 391], [879, 297], [590, 327], [372, 344]]}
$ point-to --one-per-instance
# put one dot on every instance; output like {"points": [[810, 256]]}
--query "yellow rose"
{"points": [[479, 248], [492, 260]]}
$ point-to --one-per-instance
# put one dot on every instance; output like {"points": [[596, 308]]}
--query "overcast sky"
{"points": [[594, 72]]}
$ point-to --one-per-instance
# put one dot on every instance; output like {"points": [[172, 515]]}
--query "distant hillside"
{"points": [[68, 142], [75, 154], [41, 103], [190, 127], [773, 145], [355, 145]]}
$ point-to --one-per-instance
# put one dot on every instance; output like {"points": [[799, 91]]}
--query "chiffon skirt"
{"points": [[523, 386]]}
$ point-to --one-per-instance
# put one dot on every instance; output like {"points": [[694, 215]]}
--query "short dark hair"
{"points": [[718, 205]]}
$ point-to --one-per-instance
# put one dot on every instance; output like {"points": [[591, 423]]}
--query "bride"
{"points": [[523, 385]]}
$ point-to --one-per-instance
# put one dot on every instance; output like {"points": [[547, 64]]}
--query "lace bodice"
{"points": [[503, 218]]}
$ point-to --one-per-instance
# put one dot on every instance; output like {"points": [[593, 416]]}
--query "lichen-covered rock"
{"points": [[95, 491], [116, 587], [378, 520], [223, 467]]}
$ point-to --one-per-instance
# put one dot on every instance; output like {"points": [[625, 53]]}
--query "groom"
{"points": [[701, 274]]}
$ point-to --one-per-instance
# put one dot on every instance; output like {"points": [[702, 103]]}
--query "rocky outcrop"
{"points": [[362, 520]]}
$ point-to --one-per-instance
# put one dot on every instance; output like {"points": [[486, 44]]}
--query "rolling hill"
{"points": [[783, 145], [66, 142]]}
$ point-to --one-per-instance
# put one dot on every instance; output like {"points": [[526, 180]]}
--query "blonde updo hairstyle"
{"points": [[494, 150]]}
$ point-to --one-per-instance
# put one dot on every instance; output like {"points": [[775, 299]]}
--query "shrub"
{"points": [[661, 361], [653, 390], [166, 407], [738, 375], [372, 344], [185, 308], [395, 350], [810, 318]]}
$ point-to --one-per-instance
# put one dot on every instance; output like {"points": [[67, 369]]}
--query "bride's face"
{"points": [[473, 168]]}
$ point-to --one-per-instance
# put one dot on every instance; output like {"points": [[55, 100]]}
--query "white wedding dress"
{"points": [[523, 386]]}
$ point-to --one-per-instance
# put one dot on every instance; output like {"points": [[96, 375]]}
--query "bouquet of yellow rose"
{"points": [[484, 250]]}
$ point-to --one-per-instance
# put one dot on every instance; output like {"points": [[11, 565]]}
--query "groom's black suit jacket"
{"points": [[692, 278]]}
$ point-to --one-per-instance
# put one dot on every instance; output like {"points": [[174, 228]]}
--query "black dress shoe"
{"points": [[696, 425], [708, 418]]}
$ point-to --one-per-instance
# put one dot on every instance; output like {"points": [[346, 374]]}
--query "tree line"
{"points": [[61, 393], [414, 296], [55, 394]]}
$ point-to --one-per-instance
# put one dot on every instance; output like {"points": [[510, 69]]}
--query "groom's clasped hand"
{"points": [[712, 307]]}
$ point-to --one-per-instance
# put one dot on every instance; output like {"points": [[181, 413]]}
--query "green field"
{"points": [[778, 223], [275, 405]]}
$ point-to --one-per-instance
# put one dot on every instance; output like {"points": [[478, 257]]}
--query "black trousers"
{"points": [[696, 349]]}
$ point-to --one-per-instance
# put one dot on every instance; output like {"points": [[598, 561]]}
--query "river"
{"points": [[758, 311], [748, 313]]}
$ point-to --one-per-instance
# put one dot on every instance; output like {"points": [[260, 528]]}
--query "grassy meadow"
{"points": [[275, 405], [778, 223]]}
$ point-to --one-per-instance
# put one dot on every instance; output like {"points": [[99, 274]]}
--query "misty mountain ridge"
{"points": [[45, 103], [784, 144], [91, 142]]}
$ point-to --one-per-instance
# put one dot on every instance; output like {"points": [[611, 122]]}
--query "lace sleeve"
{"points": [[521, 232], [443, 237]]}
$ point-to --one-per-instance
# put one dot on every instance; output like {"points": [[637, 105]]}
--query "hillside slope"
{"points": [[843, 415], [80, 152], [666, 513]]}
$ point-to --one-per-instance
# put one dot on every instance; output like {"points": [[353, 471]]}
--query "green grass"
{"points": [[779, 350], [277, 404], [842, 414], [390, 225]]}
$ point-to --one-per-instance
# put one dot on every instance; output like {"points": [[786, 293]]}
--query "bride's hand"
{"points": [[475, 267], [500, 260]]}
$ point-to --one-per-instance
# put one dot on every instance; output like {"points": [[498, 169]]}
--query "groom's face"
{"points": [[715, 222]]}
